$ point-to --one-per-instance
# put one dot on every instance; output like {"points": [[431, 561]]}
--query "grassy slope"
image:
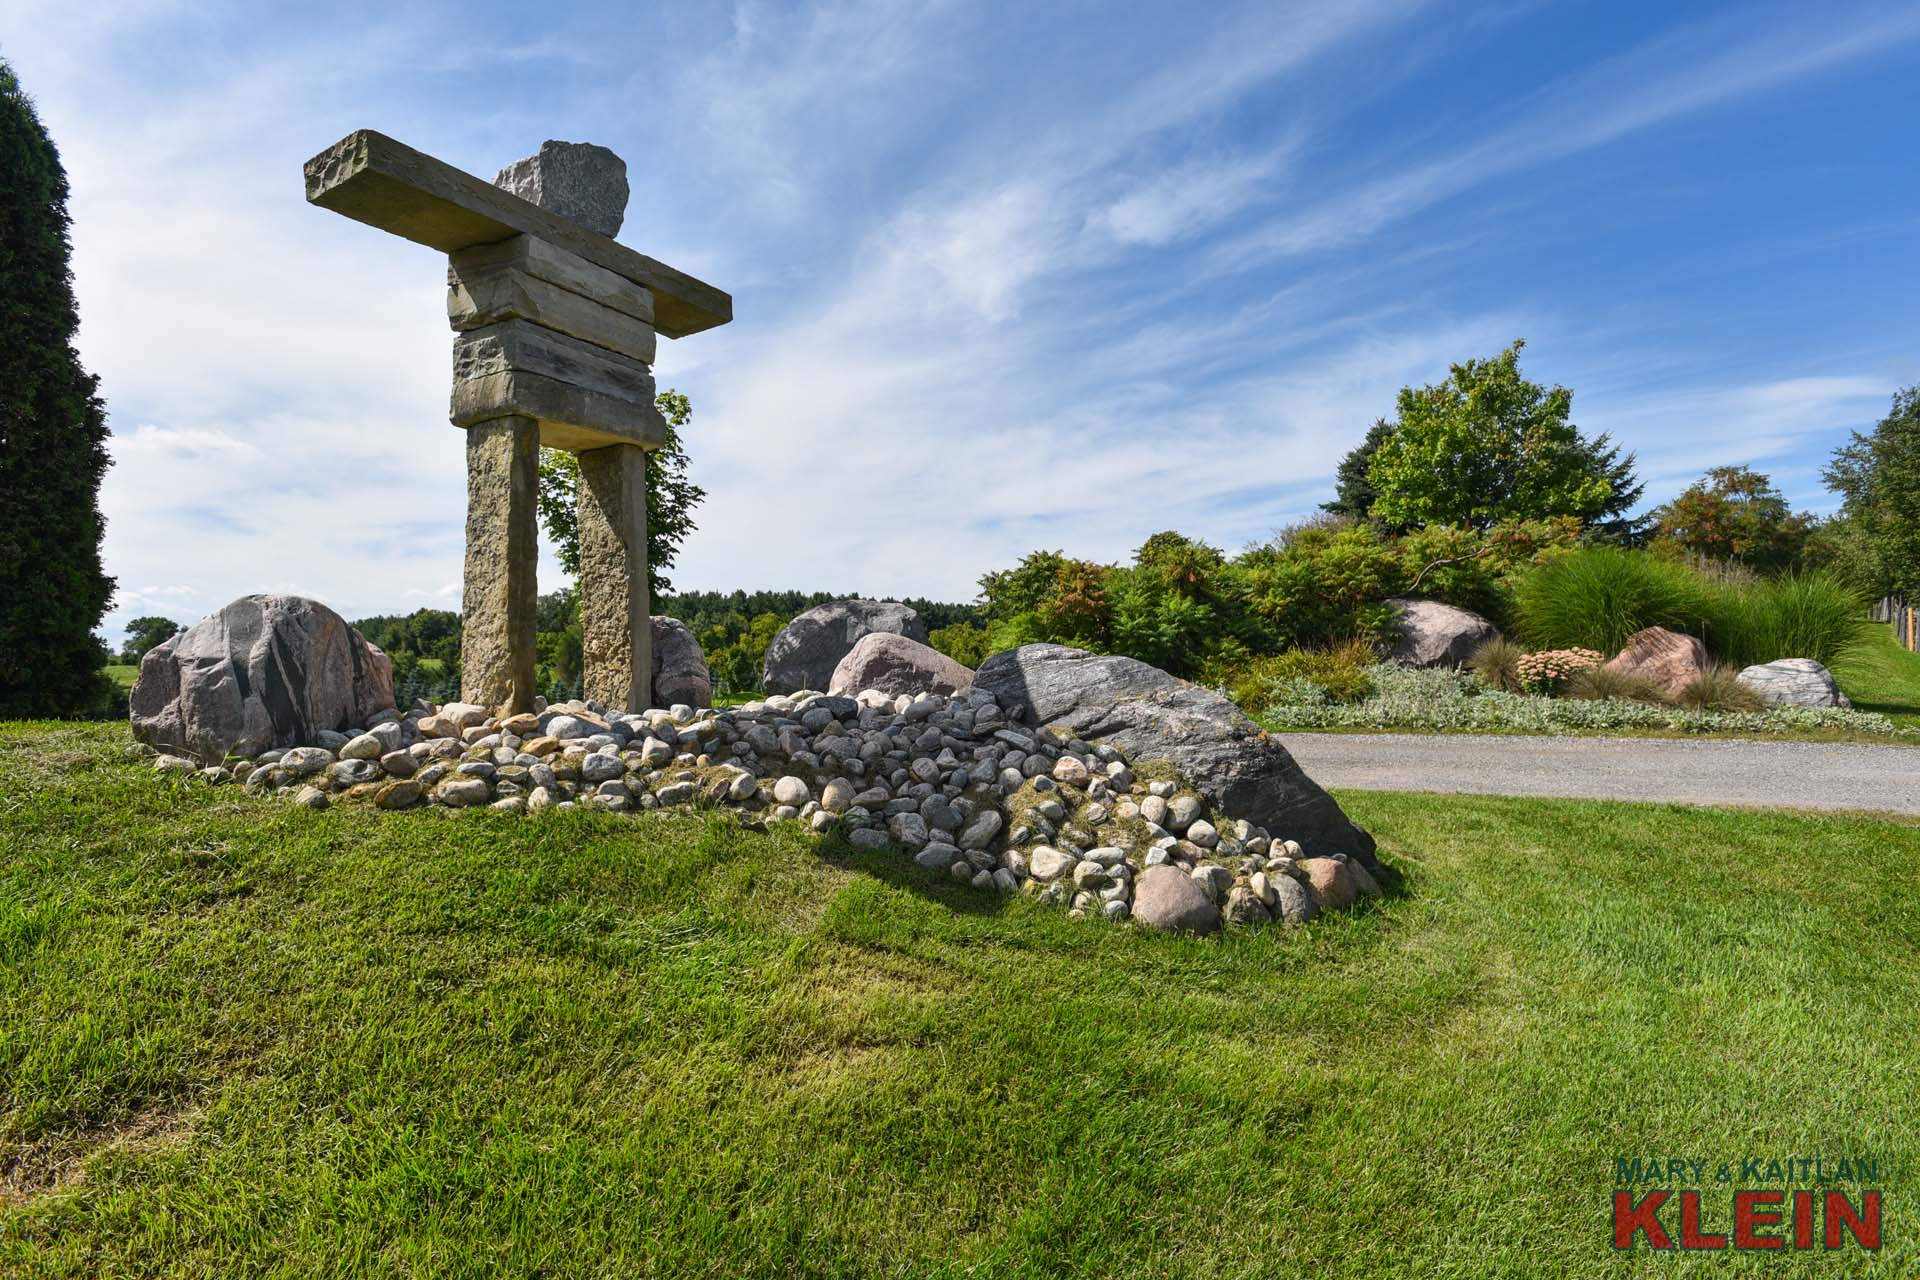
{"points": [[123, 673], [1881, 676], [425, 1044]]}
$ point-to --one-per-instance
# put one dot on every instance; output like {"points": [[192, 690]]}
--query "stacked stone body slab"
{"points": [[555, 329]]}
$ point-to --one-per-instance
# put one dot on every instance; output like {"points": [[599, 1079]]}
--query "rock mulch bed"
{"points": [[953, 780]]}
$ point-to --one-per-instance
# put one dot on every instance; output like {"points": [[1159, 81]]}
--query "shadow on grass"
{"points": [[896, 868]]}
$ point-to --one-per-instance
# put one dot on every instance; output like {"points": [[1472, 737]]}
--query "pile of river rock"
{"points": [[953, 780]]}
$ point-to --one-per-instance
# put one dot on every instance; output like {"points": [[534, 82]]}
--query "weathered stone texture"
{"points": [[580, 181], [373, 179], [1168, 899], [497, 634], [1665, 657], [1794, 682], [616, 635], [583, 396], [477, 299], [807, 649], [1242, 770], [266, 671], [680, 675], [549, 262]]}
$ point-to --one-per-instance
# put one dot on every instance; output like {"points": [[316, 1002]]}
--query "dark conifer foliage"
{"points": [[53, 441]]}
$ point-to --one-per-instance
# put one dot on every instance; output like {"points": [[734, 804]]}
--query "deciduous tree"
{"points": [[671, 498], [1485, 446], [1878, 478]]}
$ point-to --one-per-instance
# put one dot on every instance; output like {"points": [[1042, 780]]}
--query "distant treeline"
{"points": [[733, 627], [702, 609]]}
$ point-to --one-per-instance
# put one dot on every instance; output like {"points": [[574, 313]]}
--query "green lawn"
{"points": [[123, 673], [1881, 676], [239, 1039]]}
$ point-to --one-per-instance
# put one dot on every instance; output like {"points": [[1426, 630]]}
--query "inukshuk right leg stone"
{"points": [[497, 631], [616, 630]]}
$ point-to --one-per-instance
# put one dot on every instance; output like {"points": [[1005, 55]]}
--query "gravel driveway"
{"points": [[1791, 775]]}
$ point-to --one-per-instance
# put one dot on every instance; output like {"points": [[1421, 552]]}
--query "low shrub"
{"points": [[1548, 671], [1339, 673], [965, 643], [1450, 701]]}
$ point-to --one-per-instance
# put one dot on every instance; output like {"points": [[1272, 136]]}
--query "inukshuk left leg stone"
{"points": [[498, 595], [615, 626]]}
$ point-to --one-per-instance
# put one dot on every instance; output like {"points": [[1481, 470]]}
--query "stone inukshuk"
{"points": [[555, 326]]}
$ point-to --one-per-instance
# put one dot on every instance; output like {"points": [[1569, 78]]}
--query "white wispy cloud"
{"points": [[998, 285], [1707, 65]]}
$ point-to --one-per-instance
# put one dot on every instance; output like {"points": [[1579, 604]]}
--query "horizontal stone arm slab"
{"points": [[373, 179]]}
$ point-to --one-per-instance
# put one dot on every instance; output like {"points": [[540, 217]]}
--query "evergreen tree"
{"points": [[1353, 491], [53, 435]]}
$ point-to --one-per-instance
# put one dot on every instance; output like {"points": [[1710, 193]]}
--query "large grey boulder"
{"points": [[1242, 770], [896, 665], [1169, 899], [1794, 682], [266, 671], [680, 672], [582, 182], [807, 649], [1432, 634]]}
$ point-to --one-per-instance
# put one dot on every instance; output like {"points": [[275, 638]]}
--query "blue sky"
{"points": [[1005, 276]]}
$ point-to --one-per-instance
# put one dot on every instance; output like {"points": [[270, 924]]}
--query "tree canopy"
{"points": [[1487, 446], [1734, 513], [1878, 478], [147, 633], [1353, 491], [671, 498]]}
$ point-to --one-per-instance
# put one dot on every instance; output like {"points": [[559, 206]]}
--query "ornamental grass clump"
{"points": [[1549, 671], [1598, 597], [1606, 684], [1717, 688], [1813, 614], [1498, 663]]}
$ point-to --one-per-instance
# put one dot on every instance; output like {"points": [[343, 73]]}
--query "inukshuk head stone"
{"points": [[554, 325], [580, 181]]}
